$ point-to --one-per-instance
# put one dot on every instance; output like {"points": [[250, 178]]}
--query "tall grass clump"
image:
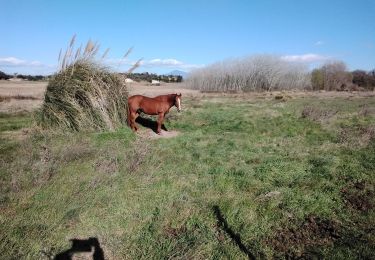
{"points": [[254, 73], [84, 94]]}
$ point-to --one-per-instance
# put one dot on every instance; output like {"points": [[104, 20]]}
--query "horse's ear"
{"points": [[180, 94]]}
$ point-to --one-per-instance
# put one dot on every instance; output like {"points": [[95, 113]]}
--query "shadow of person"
{"points": [[148, 123], [82, 246], [236, 238]]}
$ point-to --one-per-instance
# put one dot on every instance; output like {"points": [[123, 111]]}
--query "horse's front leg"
{"points": [[160, 122]]}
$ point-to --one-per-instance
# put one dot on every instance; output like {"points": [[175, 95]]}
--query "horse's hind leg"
{"points": [[133, 118]]}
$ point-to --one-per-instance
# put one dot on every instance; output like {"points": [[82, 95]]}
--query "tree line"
{"points": [[145, 76], [268, 72], [335, 76], [5, 76]]}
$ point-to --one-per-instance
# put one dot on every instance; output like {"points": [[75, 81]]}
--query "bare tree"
{"points": [[255, 73], [336, 76]]}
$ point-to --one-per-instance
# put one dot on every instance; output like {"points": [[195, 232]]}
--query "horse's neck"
{"points": [[170, 100]]}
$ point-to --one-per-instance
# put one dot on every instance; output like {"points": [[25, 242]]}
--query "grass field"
{"points": [[245, 178]]}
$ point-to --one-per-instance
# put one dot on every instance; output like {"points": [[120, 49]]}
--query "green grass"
{"points": [[286, 186]]}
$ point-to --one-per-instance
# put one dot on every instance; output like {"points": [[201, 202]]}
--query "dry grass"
{"points": [[83, 94], [23, 88]]}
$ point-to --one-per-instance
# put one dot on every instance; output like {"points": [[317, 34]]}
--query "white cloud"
{"points": [[163, 62], [306, 58], [169, 63], [12, 61], [154, 63], [16, 65], [15, 62], [319, 43]]}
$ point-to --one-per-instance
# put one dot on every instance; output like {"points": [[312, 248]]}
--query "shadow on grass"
{"points": [[148, 123], [222, 223], [82, 246]]}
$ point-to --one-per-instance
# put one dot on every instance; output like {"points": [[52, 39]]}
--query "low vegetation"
{"points": [[246, 177]]}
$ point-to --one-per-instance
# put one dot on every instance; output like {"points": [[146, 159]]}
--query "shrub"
{"points": [[363, 79], [4, 75]]}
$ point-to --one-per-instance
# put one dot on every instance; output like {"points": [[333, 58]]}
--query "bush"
{"points": [[83, 95], [332, 76], [363, 79], [4, 75]]}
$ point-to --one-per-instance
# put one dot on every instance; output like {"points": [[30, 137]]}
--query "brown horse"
{"points": [[159, 105]]}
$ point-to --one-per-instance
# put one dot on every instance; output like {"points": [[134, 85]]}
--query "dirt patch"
{"points": [[163, 134], [358, 196], [299, 241]]}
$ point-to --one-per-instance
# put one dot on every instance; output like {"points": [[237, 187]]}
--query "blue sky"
{"points": [[185, 35]]}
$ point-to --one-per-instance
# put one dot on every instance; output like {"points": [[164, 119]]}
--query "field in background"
{"points": [[25, 96], [284, 174]]}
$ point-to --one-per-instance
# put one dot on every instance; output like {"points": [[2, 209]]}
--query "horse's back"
{"points": [[136, 100], [139, 99], [151, 106]]}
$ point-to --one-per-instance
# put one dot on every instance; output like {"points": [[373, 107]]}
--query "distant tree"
{"points": [[336, 76], [317, 79], [30, 77], [363, 79], [3, 75], [145, 76]]}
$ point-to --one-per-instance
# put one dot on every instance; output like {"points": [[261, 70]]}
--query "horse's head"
{"points": [[177, 102]]}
